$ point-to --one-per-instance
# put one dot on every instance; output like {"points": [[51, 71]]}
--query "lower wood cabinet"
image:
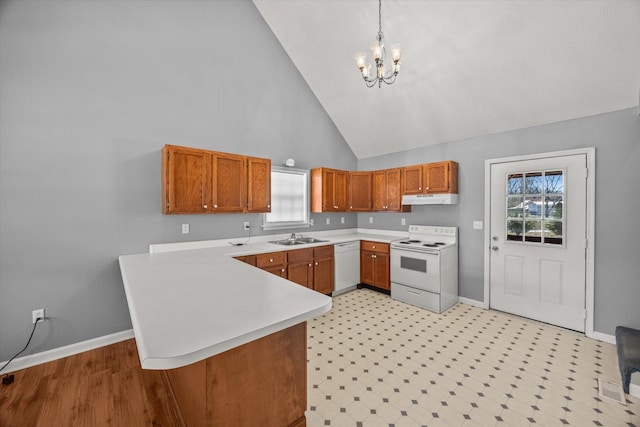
{"points": [[309, 267], [374, 264]]}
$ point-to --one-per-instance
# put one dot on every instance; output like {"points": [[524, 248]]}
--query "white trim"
{"points": [[611, 339], [634, 390], [68, 350], [473, 302], [590, 152]]}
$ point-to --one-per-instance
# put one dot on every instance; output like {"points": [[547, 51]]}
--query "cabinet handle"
{"points": [[374, 246], [316, 263], [309, 265], [215, 206], [270, 259], [269, 206], [420, 188], [204, 206]]}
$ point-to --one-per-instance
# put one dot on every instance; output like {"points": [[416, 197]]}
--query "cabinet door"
{"points": [[340, 191], [301, 272], [323, 275], [394, 196], [259, 185], [381, 271], [412, 179], [328, 190], [185, 180], [278, 270], [441, 177], [366, 267], [379, 191], [229, 183], [360, 188]]}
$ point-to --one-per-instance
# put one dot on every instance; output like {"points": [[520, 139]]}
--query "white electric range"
{"points": [[424, 267]]}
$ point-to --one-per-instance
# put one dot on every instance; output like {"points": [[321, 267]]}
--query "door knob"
{"points": [[495, 238], [494, 248]]}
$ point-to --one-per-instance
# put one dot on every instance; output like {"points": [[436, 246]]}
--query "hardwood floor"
{"points": [[102, 387]]}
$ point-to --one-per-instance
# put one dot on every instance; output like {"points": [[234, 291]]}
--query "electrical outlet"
{"points": [[477, 225], [247, 225], [341, 220], [185, 228], [37, 314], [370, 220], [403, 221], [328, 221]]}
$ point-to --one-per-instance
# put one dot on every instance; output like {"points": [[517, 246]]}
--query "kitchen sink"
{"points": [[310, 240], [297, 241]]}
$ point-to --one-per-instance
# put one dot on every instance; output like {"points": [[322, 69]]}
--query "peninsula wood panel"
{"points": [[261, 383]]}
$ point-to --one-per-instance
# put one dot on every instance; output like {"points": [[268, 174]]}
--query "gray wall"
{"points": [[90, 91], [616, 137]]}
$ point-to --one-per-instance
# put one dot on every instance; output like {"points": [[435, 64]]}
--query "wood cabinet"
{"points": [[196, 181], [259, 185], [374, 264], [360, 191], [386, 190], [323, 269], [185, 180], [430, 178], [312, 267], [300, 267], [273, 262], [329, 190]]}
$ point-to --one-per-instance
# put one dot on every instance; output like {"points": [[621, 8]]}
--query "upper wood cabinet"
{"points": [[360, 191], [201, 181], [329, 190], [386, 190], [259, 184], [439, 177], [185, 180]]}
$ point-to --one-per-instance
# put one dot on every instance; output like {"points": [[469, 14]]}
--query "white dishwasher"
{"points": [[347, 266]]}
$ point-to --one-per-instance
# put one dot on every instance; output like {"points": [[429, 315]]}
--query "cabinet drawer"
{"points": [[374, 246], [323, 251], [272, 258], [300, 255]]}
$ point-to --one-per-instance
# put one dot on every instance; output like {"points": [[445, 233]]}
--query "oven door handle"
{"points": [[420, 251]]}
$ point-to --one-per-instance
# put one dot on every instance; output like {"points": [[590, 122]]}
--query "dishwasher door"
{"points": [[347, 266]]}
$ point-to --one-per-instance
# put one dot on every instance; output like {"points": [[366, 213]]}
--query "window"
{"points": [[535, 202], [289, 199]]}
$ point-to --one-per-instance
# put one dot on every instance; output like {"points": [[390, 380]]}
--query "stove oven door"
{"points": [[418, 269]]}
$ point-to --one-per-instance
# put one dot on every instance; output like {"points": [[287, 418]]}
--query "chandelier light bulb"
{"points": [[361, 60], [396, 52], [376, 50]]}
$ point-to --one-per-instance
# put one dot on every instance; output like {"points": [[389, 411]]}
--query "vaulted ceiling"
{"points": [[469, 68]]}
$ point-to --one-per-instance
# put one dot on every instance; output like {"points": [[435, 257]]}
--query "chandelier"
{"points": [[379, 56]]}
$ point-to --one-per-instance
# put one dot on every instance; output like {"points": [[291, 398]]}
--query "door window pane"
{"points": [[535, 207]]}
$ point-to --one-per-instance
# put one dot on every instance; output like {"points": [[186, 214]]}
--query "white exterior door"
{"points": [[538, 229]]}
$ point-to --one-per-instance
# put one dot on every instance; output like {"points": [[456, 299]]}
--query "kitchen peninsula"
{"points": [[230, 338]]}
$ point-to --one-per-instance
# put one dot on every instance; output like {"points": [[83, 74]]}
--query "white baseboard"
{"points": [[611, 339], [68, 350], [472, 302]]}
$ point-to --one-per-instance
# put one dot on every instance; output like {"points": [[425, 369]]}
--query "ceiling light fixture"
{"points": [[379, 55]]}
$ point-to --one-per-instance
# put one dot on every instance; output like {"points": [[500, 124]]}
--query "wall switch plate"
{"points": [[370, 220], [341, 220], [246, 225], [328, 221], [311, 222], [477, 225], [403, 221], [37, 314], [185, 228]]}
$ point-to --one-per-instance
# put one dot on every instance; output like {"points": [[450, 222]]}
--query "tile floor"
{"points": [[374, 362]]}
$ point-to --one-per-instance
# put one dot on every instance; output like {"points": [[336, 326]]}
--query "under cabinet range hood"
{"points": [[430, 199]]}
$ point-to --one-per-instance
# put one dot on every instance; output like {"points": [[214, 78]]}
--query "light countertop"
{"points": [[189, 305]]}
